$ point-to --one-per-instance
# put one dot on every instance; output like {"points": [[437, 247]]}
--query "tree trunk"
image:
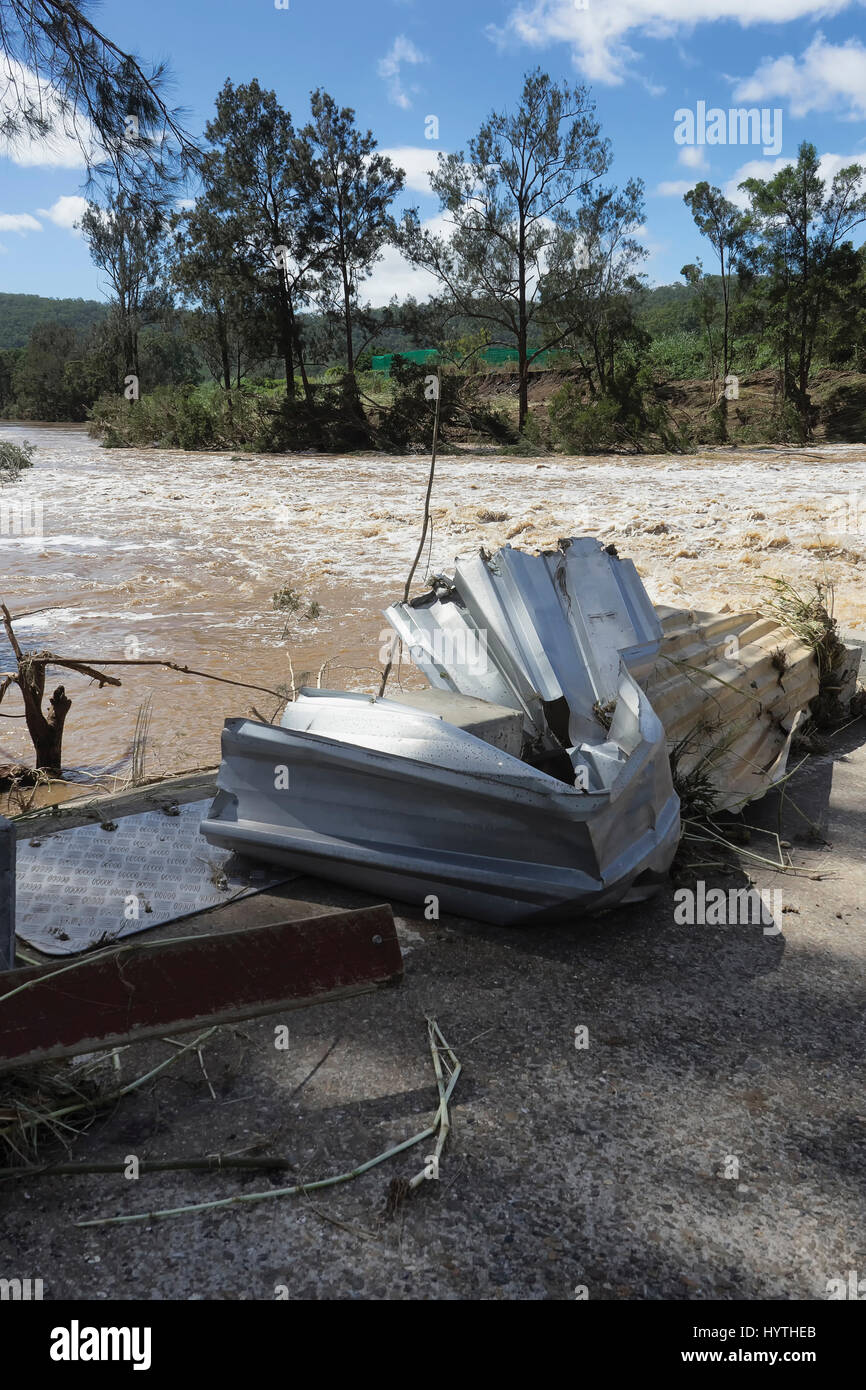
{"points": [[347, 309], [46, 731], [49, 756], [299, 353], [522, 364], [224, 349], [523, 390], [286, 340]]}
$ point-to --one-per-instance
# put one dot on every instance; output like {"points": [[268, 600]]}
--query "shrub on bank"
{"points": [[409, 420], [626, 416], [14, 458], [261, 421]]}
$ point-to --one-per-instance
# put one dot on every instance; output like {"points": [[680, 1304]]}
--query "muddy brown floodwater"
{"points": [[161, 553]]}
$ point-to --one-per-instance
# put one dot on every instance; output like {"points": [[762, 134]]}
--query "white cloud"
{"points": [[599, 35], [20, 222], [417, 162], [402, 51], [828, 166], [66, 211], [826, 76], [672, 188], [60, 148], [693, 157], [393, 275]]}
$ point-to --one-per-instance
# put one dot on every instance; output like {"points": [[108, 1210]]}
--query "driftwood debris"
{"points": [[45, 727]]}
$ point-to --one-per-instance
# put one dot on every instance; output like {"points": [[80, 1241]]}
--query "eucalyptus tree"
{"points": [[800, 226], [225, 316], [726, 228], [251, 187], [125, 235], [708, 307], [345, 192], [591, 289], [513, 206]]}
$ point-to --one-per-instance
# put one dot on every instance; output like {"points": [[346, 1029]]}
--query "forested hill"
{"points": [[19, 313], [664, 309]]}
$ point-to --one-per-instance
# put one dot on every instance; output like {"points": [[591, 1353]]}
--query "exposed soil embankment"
{"points": [[839, 399]]}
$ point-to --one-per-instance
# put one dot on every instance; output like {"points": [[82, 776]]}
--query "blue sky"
{"points": [[399, 61]]}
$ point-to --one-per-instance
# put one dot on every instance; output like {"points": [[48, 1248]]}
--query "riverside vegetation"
{"points": [[240, 321]]}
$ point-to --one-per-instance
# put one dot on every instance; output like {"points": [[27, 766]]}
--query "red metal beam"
{"points": [[144, 990]]}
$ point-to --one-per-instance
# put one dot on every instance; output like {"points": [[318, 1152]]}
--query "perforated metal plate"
{"points": [[92, 885]]}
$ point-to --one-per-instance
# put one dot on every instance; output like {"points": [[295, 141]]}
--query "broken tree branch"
{"points": [[302, 1188], [46, 728], [10, 632], [49, 660], [213, 1163]]}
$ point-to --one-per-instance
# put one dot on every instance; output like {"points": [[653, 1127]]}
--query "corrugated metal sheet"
{"points": [[396, 801], [400, 801], [528, 630], [727, 687], [730, 686]]}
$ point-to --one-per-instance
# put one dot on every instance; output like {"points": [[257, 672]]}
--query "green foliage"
{"points": [[167, 358], [14, 459], [125, 239], [410, 419], [515, 201], [667, 309], [843, 411], [535, 435], [626, 417], [581, 426], [679, 356], [465, 349], [174, 417], [801, 225], [41, 387], [287, 599]]}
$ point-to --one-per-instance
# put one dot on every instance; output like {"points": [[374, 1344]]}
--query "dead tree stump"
{"points": [[45, 729]]}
